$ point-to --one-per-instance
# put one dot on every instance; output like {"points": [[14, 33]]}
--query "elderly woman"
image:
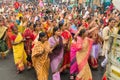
{"points": [[40, 57]]}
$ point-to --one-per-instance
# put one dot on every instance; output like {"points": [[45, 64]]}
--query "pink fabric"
{"points": [[73, 31], [73, 50], [75, 46], [41, 4], [55, 61], [41, 14], [111, 7], [74, 68], [56, 76]]}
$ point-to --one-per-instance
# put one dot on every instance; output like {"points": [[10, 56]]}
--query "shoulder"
{"points": [[51, 38], [47, 43], [37, 43], [105, 29]]}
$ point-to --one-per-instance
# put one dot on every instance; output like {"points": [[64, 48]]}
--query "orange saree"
{"points": [[40, 59]]}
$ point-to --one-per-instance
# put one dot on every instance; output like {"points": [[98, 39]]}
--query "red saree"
{"points": [[66, 61], [29, 36], [9, 34]]}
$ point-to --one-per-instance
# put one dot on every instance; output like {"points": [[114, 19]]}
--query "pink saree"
{"points": [[75, 46]]}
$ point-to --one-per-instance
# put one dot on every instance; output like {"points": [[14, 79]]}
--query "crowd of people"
{"points": [[55, 38]]}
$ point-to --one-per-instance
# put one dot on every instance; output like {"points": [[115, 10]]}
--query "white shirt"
{"points": [[86, 14]]}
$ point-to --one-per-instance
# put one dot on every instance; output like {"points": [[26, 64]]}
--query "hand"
{"points": [[57, 43], [23, 40], [51, 50], [16, 43], [28, 51], [65, 41], [75, 38]]}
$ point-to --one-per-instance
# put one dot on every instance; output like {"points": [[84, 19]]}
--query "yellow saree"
{"points": [[40, 59], [19, 53], [21, 28], [82, 61]]}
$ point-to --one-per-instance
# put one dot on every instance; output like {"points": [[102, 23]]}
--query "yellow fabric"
{"points": [[50, 31], [21, 28], [106, 34], [20, 15], [41, 62], [85, 73], [46, 25], [2, 31], [19, 52]]}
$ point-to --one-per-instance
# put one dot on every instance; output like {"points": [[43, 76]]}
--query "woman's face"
{"points": [[58, 32], [15, 30], [65, 27], [44, 38], [31, 27], [37, 28]]}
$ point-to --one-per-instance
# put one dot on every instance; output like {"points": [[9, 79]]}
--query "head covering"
{"points": [[12, 25]]}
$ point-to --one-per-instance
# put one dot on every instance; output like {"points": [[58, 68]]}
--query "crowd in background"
{"points": [[54, 38]]}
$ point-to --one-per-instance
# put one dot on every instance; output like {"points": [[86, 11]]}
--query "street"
{"points": [[8, 71]]}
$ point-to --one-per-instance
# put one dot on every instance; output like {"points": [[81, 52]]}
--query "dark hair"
{"points": [[82, 31], [34, 26], [20, 18], [60, 24], [47, 11], [13, 28], [29, 24], [46, 18], [55, 29], [41, 34], [38, 22], [111, 19]]}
